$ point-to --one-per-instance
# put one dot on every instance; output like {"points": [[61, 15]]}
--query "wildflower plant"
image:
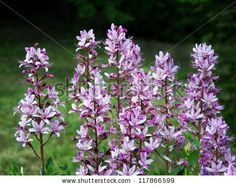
{"points": [[131, 121], [216, 157], [202, 113], [165, 110], [40, 117]]}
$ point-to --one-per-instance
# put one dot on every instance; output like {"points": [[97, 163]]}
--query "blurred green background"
{"points": [[155, 24]]}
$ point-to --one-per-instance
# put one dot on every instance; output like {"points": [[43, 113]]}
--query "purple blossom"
{"points": [[39, 110], [22, 137], [94, 108], [202, 109], [166, 132], [127, 171]]}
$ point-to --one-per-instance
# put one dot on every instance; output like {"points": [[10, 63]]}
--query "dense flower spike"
{"points": [[131, 87], [124, 57], [95, 129], [39, 110], [92, 102], [202, 110], [86, 55], [166, 109], [136, 144]]}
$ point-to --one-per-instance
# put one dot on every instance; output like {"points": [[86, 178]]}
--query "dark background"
{"points": [[167, 21], [155, 25]]}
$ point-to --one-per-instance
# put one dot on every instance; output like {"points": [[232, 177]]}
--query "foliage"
{"points": [[181, 19]]}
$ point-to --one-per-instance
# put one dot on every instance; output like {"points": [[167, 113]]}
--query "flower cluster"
{"points": [[132, 156], [95, 129], [39, 110], [140, 92], [86, 55], [92, 103], [202, 110], [124, 57], [166, 110]]}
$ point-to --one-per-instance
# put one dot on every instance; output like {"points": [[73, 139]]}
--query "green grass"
{"points": [[12, 88]]}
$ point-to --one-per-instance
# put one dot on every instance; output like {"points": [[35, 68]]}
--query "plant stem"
{"points": [[166, 112], [31, 146], [199, 124], [118, 91], [42, 154], [167, 154], [95, 131]]}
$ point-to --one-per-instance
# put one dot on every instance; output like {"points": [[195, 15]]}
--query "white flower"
{"points": [[84, 144]]}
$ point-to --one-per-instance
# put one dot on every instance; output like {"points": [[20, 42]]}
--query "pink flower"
{"points": [[144, 161], [22, 137], [56, 127], [82, 171], [39, 127], [38, 110], [84, 144], [127, 171], [152, 144], [216, 168]]}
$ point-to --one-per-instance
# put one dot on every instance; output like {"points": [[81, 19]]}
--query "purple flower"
{"points": [[144, 161], [23, 138], [84, 144], [152, 144], [202, 108], [216, 168], [82, 171], [39, 127], [127, 171], [35, 59], [56, 127], [39, 109]]}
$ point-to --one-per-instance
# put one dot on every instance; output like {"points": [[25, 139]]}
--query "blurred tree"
{"points": [[165, 20]]}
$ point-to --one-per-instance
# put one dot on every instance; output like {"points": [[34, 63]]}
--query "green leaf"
{"points": [[193, 158], [187, 135], [15, 169], [49, 167], [65, 169], [196, 142]]}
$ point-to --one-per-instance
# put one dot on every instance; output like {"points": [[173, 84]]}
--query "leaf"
{"points": [[49, 167], [196, 142], [64, 167], [15, 169], [49, 162], [179, 170], [187, 135], [193, 158]]}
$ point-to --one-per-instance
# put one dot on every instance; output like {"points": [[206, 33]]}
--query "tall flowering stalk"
{"points": [[131, 155], [166, 109], [38, 111], [92, 103], [86, 55], [95, 130], [202, 110], [124, 57]]}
